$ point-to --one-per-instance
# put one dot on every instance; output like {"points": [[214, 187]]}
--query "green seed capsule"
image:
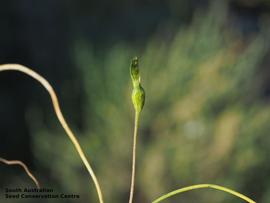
{"points": [[138, 98]]}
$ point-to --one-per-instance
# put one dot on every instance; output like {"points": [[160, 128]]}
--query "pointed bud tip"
{"points": [[135, 61], [134, 71]]}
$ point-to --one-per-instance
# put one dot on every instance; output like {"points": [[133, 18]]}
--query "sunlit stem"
{"points": [[193, 187], [48, 87], [20, 163]]}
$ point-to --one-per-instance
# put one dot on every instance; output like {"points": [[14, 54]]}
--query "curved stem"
{"points": [[132, 185], [193, 187], [48, 87], [17, 162]]}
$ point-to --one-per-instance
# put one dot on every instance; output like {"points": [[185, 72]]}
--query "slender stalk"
{"points": [[20, 163], [132, 185], [138, 99], [193, 187], [48, 87]]}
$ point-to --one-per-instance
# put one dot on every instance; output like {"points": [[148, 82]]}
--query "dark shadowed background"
{"points": [[205, 68]]}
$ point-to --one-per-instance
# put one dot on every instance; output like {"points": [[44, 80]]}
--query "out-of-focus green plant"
{"points": [[205, 81], [138, 99], [210, 102]]}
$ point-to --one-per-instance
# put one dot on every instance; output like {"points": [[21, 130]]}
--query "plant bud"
{"points": [[138, 98], [138, 93]]}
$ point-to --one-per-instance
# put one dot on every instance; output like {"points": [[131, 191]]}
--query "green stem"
{"points": [[136, 125], [193, 187]]}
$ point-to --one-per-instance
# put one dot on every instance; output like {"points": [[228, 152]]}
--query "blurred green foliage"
{"points": [[205, 119]]}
